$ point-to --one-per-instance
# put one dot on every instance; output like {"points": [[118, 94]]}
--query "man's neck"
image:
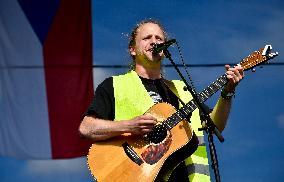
{"points": [[149, 73]]}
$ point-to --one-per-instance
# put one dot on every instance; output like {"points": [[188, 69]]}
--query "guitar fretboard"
{"points": [[184, 112]]}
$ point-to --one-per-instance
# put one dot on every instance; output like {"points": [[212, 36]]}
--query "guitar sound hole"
{"points": [[157, 135]]}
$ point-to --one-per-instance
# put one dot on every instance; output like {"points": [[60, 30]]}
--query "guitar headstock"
{"points": [[258, 57]]}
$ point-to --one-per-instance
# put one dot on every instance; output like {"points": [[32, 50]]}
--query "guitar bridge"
{"points": [[132, 154]]}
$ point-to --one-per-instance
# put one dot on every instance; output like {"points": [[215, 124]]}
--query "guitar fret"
{"points": [[208, 93], [210, 88], [203, 96], [176, 118], [167, 125], [173, 119], [217, 84], [182, 113], [187, 111], [189, 107], [223, 79], [215, 87], [193, 105]]}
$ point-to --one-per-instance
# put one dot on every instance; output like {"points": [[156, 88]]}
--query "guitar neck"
{"points": [[188, 108]]}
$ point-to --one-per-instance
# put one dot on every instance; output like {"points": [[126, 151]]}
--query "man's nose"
{"points": [[153, 41]]}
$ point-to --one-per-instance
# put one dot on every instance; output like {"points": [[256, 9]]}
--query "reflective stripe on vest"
{"points": [[132, 99]]}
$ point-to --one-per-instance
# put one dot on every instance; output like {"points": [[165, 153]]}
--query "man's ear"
{"points": [[132, 51]]}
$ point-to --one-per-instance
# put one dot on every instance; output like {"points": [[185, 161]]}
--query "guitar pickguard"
{"points": [[154, 152]]}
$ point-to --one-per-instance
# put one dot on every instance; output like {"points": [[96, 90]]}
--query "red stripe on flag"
{"points": [[68, 74]]}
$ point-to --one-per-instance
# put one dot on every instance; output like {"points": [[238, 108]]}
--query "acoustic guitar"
{"points": [[143, 158]]}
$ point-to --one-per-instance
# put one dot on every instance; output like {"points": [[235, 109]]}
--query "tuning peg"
{"points": [[273, 54], [266, 50]]}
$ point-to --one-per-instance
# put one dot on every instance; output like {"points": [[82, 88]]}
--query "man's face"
{"points": [[147, 36]]}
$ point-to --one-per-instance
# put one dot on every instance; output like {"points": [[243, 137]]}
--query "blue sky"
{"points": [[208, 32]]}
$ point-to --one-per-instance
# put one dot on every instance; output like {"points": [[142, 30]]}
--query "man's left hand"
{"points": [[235, 75]]}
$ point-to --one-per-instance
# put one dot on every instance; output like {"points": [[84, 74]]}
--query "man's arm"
{"points": [[220, 113], [97, 123], [99, 129], [222, 108]]}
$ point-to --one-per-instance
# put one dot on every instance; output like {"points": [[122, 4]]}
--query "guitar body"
{"points": [[108, 160]]}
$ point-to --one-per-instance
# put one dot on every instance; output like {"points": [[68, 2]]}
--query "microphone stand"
{"points": [[209, 126]]}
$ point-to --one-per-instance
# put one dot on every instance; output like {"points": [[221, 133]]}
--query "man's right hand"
{"points": [[141, 124]]}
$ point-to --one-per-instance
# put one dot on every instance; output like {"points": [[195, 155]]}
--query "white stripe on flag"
{"points": [[24, 126]]}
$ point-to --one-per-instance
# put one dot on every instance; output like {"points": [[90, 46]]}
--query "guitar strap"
{"points": [[170, 85]]}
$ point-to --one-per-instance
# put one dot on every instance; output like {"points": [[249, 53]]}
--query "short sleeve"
{"points": [[102, 105]]}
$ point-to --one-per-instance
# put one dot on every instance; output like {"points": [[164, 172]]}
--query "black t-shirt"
{"points": [[103, 102]]}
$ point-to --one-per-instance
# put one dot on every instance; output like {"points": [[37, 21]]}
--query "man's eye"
{"points": [[147, 37]]}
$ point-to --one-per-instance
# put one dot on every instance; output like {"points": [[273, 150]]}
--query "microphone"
{"points": [[162, 46]]}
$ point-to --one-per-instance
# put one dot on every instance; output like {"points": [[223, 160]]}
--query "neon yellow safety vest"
{"points": [[132, 99]]}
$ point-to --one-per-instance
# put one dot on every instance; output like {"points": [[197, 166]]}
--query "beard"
{"points": [[150, 57]]}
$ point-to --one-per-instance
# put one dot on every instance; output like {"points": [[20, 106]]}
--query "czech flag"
{"points": [[46, 79]]}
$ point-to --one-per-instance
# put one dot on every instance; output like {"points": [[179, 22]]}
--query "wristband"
{"points": [[227, 95]]}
